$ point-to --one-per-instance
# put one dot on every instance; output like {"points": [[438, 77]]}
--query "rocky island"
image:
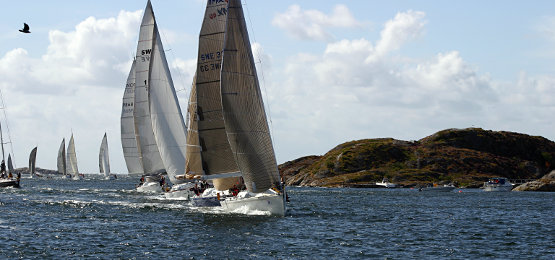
{"points": [[466, 157]]}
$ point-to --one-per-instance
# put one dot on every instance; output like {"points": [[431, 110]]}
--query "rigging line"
{"points": [[182, 81], [7, 126], [261, 72]]}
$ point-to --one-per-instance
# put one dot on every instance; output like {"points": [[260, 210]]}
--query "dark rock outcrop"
{"points": [[546, 183]]}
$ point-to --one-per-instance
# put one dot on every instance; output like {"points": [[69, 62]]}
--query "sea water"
{"points": [[107, 219]]}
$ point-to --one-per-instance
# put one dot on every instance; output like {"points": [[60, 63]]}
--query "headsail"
{"points": [[104, 160], [165, 113], [32, 160], [129, 135], [152, 162], [62, 158], [72, 159], [216, 154], [245, 119]]}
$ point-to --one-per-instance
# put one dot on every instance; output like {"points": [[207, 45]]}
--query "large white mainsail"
{"points": [[61, 163], [216, 156], [72, 159], [129, 136], [152, 162], [103, 157], [165, 113], [244, 116], [32, 160]]}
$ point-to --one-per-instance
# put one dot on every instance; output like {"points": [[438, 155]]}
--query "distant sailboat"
{"points": [[72, 160], [129, 134], [61, 162], [10, 164], [230, 136], [32, 161], [103, 158], [6, 179]]}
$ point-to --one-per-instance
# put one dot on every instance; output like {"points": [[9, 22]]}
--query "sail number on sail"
{"points": [[145, 58]]}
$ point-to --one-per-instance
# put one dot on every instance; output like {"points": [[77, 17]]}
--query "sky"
{"points": [[330, 71]]}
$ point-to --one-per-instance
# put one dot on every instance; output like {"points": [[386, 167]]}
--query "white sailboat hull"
{"points": [[387, 184], [270, 201], [180, 191], [150, 187]]}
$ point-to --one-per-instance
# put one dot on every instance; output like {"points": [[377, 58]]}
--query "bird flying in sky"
{"points": [[25, 28]]}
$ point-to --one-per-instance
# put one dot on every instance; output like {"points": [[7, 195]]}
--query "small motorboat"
{"points": [[438, 188], [497, 184], [385, 183]]}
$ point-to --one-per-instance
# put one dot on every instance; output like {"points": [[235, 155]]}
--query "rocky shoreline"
{"points": [[546, 183], [465, 157]]}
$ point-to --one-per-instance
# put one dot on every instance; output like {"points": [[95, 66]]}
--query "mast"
{"points": [[2, 141]]}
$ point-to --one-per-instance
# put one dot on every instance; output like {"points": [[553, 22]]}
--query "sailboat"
{"points": [[159, 124], [61, 162], [6, 178], [32, 162], [104, 159], [129, 134], [72, 161], [228, 140]]}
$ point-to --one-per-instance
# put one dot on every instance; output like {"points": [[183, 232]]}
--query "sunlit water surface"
{"points": [[94, 218]]}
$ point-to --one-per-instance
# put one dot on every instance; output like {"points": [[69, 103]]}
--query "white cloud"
{"points": [[315, 24], [76, 86], [396, 32], [336, 96]]}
